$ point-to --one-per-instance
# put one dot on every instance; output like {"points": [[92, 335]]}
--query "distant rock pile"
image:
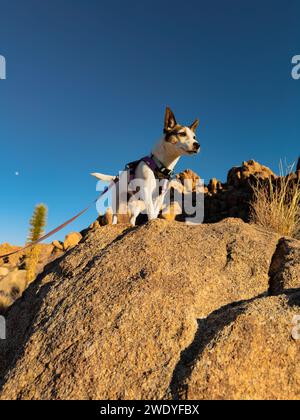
{"points": [[251, 169], [232, 199], [72, 239], [13, 280]]}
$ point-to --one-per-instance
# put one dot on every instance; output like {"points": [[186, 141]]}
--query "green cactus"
{"points": [[37, 223]]}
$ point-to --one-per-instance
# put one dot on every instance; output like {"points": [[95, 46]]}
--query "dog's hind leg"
{"points": [[135, 207], [133, 216]]}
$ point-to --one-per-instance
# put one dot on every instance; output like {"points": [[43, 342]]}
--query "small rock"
{"points": [[58, 245], [108, 217], [251, 168], [71, 240], [171, 211], [189, 179], [3, 271], [214, 186]]}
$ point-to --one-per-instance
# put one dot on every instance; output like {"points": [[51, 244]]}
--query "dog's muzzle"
{"points": [[196, 147]]}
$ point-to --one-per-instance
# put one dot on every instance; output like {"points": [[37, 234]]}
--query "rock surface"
{"points": [[12, 285], [13, 275], [246, 352], [248, 169], [71, 240], [285, 267], [189, 179], [6, 248], [3, 271], [58, 245], [116, 315]]}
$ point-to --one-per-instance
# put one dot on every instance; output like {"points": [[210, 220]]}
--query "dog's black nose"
{"points": [[196, 146]]}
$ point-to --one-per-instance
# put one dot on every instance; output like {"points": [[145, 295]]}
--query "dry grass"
{"points": [[276, 204]]}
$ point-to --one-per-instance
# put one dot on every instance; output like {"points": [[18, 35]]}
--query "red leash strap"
{"points": [[52, 232], [42, 238]]}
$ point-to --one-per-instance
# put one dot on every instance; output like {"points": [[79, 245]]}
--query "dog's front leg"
{"points": [[147, 183], [158, 204], [148, 200], [114, 203]]}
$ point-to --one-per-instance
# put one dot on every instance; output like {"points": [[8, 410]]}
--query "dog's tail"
{"points": [[102, 177]]}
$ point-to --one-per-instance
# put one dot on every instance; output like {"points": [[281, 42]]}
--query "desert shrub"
{"points": [[276, 204]]}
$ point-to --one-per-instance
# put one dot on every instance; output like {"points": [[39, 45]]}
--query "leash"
{"points": [[60, 227], [151, 161]]}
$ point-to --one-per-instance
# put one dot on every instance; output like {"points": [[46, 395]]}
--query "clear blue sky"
{"points": [[88, 81]]}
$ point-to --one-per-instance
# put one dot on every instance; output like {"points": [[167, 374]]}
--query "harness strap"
{"points": [[157, 167]]}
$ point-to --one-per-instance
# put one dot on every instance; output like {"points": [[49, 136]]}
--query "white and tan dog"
{"points": [[177, 141]]}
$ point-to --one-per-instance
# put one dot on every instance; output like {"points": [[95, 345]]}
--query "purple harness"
{"points": [[160, 172]]}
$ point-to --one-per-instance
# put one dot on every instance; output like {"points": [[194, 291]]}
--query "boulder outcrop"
{"points": [[147, 313], [249, 351]]}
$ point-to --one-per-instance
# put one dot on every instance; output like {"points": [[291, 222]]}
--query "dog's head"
{"points": [[181, 139]]}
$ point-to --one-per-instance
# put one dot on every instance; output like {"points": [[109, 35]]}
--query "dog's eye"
{"points": [[181, 134], [194, 137]]}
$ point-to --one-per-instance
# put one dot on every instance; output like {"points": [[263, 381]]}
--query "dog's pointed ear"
{"points": [[170, 120], [194, 126]]}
